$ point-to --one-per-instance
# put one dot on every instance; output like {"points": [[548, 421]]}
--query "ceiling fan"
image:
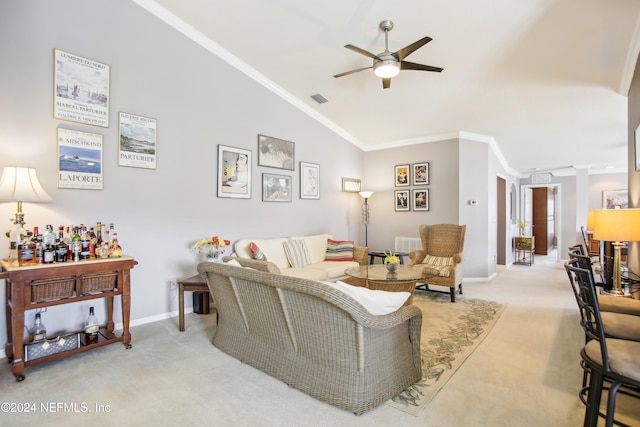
{"points": [[388, 64]]}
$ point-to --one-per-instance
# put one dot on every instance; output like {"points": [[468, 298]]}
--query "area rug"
{"points": [[450, 333]]}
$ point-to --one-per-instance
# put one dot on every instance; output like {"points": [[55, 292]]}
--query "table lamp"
{"points": [[616, 226], [20, 185], [365, 213]]}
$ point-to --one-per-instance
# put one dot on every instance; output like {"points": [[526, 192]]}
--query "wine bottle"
{"points": [[76, 245], [91, 328], [84, 243], [37, 332]]}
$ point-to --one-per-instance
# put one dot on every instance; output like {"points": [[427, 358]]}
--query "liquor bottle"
{"points": [[91, 328], [27, 252], [112, 232], [37, 332], [76, 244], [37, 238], [49, 253], [84, 243], [67, 240], [49, 237], [92, 243], [98, 234], [62, 250], [115, 250]]}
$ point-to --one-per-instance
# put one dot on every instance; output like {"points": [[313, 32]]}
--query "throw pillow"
{"points": [[437, 260], [339, 250], [234, 263], [256, 252], [374, 301], [297, 253]]}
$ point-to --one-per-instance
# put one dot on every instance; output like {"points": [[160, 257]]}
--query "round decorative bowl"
{"points": [[392, 267]]}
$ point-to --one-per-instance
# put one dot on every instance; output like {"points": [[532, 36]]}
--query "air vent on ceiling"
{"points": [[319, 98], [541, 178]]}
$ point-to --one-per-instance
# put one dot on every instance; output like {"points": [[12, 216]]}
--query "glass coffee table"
{"points": [[377, 277]]}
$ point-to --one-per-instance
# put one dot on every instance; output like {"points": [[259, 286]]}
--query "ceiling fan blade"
{"points": [[361, 51], [386, 83], [404, 65], [351, 72], [408, 50]]}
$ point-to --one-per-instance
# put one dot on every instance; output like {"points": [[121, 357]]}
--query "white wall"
{"points": [[199, 102]]}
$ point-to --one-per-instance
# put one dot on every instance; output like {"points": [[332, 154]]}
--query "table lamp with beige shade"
{"points": [[19, 184], [616, 226]]}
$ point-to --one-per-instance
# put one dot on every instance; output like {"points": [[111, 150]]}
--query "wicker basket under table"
{"points": [[102, 282]]}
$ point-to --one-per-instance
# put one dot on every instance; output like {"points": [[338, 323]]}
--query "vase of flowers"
{"points": [[391, 261], [212, 247]]}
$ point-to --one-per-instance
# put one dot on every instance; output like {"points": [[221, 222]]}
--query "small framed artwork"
{"points": [[612, 199], [276, 188], [402, 175], [421, 173], [351, 185], [275, 153], [137, 147], [234, 172], [81, 89], [79, 160], [421, 200], [309, 180], [402, 200]]}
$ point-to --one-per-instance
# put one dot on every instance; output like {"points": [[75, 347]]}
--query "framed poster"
{"points": [[81, 88], [615, 198], [275, 153], [420, 173], [79, 160], [402, 200], [402, 175], [137, 141], [421, 200], [234, 172], [276, 188], [309, 181]]}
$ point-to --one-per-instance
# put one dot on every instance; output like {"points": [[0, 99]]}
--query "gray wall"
{"points": [[199, 101]]}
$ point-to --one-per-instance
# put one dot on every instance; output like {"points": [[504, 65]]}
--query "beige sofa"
{"points": [[314, 337], [279, 261]]}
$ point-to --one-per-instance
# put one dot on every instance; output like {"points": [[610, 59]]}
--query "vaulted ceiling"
{"points": [[544, 81]]}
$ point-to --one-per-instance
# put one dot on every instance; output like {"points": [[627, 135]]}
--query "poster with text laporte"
{"points": [[79, 160]]}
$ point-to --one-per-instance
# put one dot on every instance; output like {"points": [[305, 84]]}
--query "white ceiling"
{"points": [[545, 80]]}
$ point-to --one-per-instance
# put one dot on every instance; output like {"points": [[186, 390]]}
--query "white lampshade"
{"points": [[21, 185], [386, 68], [366, 194], [616, 225]]}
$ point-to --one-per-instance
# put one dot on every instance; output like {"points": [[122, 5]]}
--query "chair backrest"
{"points": [[584, 289], [577, 249], [443, 240]]}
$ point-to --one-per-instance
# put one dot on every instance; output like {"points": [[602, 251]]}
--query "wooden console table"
{"points": [[24, 291]]}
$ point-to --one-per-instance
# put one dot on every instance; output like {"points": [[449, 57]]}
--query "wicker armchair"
{"points": [[441, 255]]}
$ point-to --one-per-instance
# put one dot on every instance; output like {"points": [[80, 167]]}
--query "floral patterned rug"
{"points": [[450, 333]]}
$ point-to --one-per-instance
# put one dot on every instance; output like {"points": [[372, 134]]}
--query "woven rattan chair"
{"points": [[440, 256], [606, 359]]}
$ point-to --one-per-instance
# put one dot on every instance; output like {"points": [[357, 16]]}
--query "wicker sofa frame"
{"points": [[313, 337]]}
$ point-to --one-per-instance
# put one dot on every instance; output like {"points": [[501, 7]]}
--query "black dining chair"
{"points": [[613, 360]]}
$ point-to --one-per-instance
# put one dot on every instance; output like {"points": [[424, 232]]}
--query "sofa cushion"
{"points": [[297, 253], [339, 250], [307, 272], [316, 245], [439, 270], [437, 260], [256, 253], [374, 301], [333, 269]]}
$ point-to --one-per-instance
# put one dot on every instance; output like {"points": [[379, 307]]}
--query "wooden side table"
{"points": [[193, 284]]}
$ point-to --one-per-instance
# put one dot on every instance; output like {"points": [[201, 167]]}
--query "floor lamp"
{"points": [[617, 226], [365, 213], [20, 185]]}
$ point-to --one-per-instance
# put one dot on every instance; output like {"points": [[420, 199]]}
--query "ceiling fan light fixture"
{"points": [[387, 68]]}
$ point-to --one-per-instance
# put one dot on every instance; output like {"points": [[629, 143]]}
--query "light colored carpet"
{"points": [[525, 373], [450, 333]]}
